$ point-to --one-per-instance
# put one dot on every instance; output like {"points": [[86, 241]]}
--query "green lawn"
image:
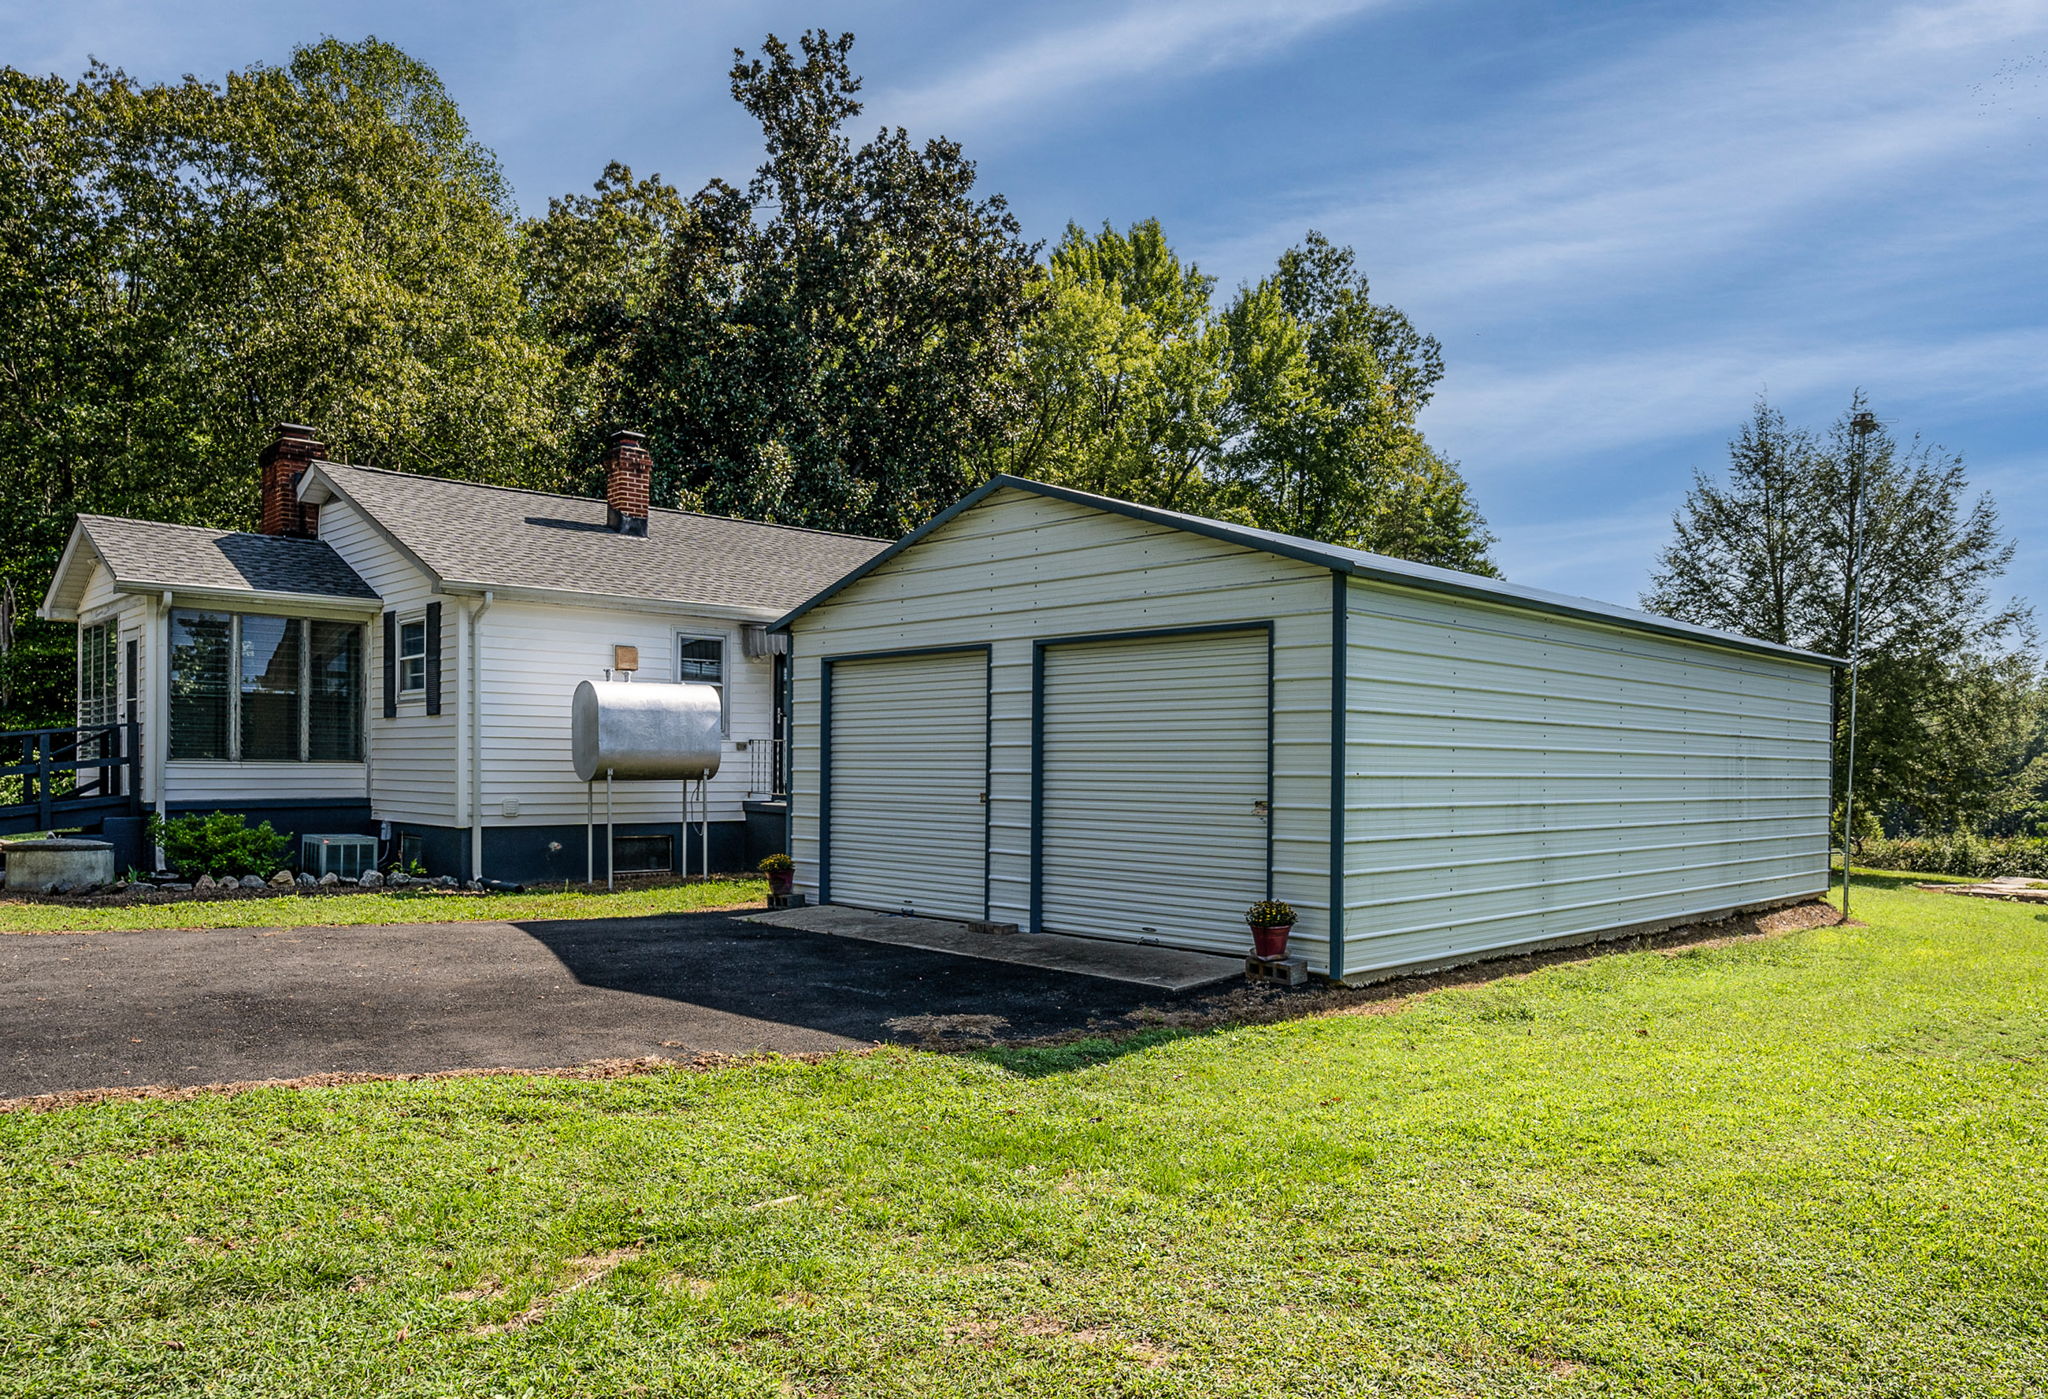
{"points": [[385, 906], [1810, 1165]]}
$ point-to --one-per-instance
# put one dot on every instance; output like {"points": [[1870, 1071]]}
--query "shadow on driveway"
{"points": [[112, 1010]]}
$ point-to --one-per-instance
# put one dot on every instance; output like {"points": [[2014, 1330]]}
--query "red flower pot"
{"points": [[780, 881], [1271, 943]]}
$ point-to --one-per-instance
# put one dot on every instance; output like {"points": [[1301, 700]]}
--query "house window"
{"points": [[99, 684], [412, 657], [265, 689], [700, 660]]}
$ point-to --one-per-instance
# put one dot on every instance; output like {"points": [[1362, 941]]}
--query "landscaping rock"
{"points": [[205, 881], [475, 886], [281, 880], [60, 887], [306, 881], [370, 879], [449, 881], [329, 880], [399, 878], [250, 881], [177, 887]]}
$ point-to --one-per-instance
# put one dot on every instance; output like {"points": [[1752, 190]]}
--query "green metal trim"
{"points": [[1340, 704]]}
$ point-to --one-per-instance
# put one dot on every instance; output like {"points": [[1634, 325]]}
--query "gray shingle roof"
{"points": [[145, 553], [500, 537]]}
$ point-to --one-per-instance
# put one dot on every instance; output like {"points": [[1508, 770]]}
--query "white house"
{"points": [[395, 654], [1084, 716]]}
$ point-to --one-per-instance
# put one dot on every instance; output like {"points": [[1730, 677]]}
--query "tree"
{"points": [[843, 362], [1293, 409], [1327, 386], [183, 266], [1801, 527], [1124, 383]]}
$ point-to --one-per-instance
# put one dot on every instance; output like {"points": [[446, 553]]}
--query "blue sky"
{"points": [[1624, 221]]}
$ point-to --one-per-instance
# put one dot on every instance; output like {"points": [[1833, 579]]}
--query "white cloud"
{"points": [[1583, 405], [1140, 41]]}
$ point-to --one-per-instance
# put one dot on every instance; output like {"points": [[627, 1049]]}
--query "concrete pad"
{"points": [[1163, 968]]}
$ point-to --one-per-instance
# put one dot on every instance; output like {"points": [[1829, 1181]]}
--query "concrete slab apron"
{"points": [[1162, 968]]}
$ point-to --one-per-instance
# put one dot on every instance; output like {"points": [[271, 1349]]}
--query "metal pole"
{"points": [[611, 844], [704, 806], [1862, 425], [590, 832]]}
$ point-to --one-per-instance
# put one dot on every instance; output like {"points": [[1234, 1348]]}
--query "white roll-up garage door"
{"points": [[1153, 785], [907, 828]]}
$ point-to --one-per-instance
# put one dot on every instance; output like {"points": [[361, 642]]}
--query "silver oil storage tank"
{"points": [[644, 731]]}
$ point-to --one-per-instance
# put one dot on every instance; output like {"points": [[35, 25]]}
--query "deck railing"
{"points": [[55, 779], [765, 776]]}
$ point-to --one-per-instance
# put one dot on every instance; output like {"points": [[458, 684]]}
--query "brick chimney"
{"points": [[283, 462], [628, 478]]}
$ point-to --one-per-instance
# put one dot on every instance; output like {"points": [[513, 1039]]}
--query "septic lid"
{"points": [[56, 843]]}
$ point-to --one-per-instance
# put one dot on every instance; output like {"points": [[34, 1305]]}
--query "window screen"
{"points": [[99, 685], [270, 689], [200, 643], [334, 699], [412, 657], [701, 661]]}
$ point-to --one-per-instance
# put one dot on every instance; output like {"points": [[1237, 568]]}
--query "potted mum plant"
{"points": [[781, 872], [1270, 922]]}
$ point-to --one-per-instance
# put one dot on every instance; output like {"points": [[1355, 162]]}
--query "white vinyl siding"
{"points": [[909, 779], [417, 765], [1023, 567], [535, 654], [1515, 776], [1154, 788]]}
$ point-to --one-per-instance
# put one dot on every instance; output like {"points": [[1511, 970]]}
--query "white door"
{"points": [[1154, 788], [907, 828]]}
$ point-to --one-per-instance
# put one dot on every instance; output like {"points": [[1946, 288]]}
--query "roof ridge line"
{"points": [[562, 495]]}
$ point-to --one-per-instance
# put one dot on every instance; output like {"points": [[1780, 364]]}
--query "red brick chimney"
{"points": [[283, 462], [628, 479]]}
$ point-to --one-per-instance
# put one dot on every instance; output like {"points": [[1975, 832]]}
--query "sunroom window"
{"points": [[251, 688]]}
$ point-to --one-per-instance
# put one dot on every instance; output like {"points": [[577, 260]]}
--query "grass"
{"points": [[1810, 1165], [385, 906]]}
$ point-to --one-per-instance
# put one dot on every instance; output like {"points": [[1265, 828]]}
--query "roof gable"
{"points": [[148, 556], [1357, 563]]}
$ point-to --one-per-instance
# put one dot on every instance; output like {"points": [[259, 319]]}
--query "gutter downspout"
{"points": [[476, 739]]}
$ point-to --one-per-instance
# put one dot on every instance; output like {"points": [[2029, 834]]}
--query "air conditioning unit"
{"points": [[345, 857]]}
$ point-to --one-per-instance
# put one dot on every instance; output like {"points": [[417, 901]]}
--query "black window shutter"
{"points": [[390, 665], [433, 658]]}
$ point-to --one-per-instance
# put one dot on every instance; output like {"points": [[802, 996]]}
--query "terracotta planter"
{"points": [[781, 881], [1269, 942]]}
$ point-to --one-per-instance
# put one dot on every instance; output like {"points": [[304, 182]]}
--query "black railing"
{"points": [[56, 779], [766, 777]]}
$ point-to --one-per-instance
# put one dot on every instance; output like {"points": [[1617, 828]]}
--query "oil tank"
{"points": [[644, 731]]}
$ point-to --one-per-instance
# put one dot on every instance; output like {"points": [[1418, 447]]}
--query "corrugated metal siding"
{"points": [[1514, 777], [534, 655], [909, 817], [1020, 568], [416, 763], [1154, 776]]}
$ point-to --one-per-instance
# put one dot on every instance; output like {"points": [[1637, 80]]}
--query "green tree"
{"points": [[1293, 409], [1808, 529], [830, 346], [1123, 373], [1327, 386], [184, 265]]}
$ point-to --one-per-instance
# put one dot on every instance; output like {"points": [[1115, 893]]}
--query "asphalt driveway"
{"points": [[99, 1010]]}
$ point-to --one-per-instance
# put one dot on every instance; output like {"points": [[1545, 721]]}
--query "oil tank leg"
{"points": [[611, 843]]}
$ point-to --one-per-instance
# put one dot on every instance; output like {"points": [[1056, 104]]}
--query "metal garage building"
{"points": [[1085, 716]]}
